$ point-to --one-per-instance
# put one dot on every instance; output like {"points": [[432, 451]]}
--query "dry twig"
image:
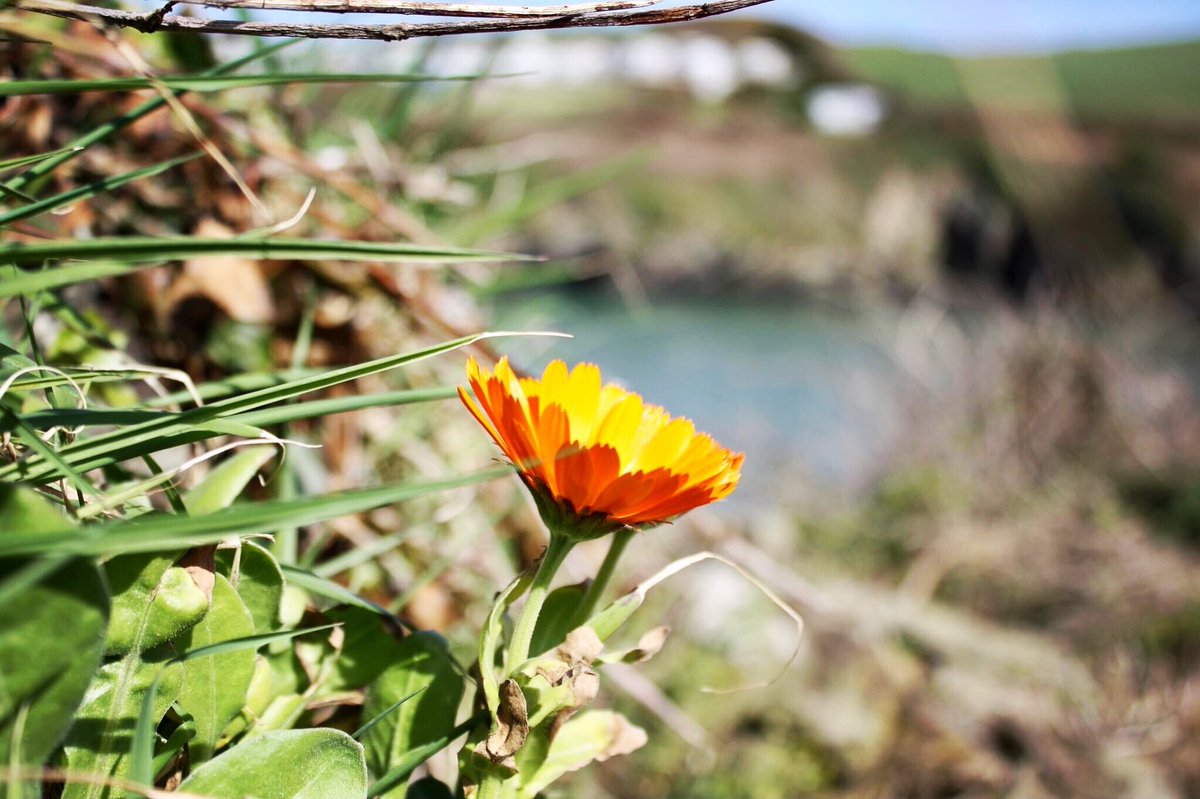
{"points": [[160, 20], [426, 9]]}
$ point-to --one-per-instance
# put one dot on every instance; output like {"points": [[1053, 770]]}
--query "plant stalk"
{"points": [[552, 559], [595, 591], [492, 786]]}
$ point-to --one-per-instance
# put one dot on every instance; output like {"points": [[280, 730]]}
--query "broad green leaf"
{"points": [[101, 738], [258, 698], [51, 638], [258, 580], [608, 621], [555, 620], [143, 736], [282, 713], [153, 602], [370, 644], [592, 736], [166, 532], [84, 192], [207, 83], [226, 483], [215, 687], [411, 760], [423, 664], [291, 764]]}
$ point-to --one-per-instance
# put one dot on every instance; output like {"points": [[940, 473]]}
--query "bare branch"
{"points": [[427, 9], [148, 23]]}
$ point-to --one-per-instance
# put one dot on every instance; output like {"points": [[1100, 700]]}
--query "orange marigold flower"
{"points": [[596, 457]]}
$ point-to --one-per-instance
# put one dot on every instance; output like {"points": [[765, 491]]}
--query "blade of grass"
{"points": [[158, 532], [26, 160], [29, 437], [213, 83], [82, 417], [154, 435], [20, 195], [235, 384], [364, 729], [137, 249], [358, 554], [320, 586], [90, 190], [410, 760], [174, 744], [47, 165]]}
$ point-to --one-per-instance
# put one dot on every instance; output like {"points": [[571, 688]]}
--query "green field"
{"points": [[1158, 82]]}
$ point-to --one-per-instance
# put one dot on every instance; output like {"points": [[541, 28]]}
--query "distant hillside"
{"points": [[1160, 81]]}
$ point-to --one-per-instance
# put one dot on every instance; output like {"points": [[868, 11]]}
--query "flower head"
{"points": [[596, 457]]}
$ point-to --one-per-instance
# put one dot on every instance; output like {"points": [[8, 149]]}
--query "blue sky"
{"points": [[978, 26]]}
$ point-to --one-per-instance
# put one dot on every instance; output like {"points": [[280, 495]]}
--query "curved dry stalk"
{"points": [[161, 20], [426, 9]]}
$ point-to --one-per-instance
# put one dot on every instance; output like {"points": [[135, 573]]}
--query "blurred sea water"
{"points": [[806, 390]]}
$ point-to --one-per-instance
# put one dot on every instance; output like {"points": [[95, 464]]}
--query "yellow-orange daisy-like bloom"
{"points": [[596, 457]]}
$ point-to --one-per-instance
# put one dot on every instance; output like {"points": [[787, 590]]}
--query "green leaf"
{"points": [[51, 639], [153, 602], [320, 586], [258, 580], [215, 687], [423, 664], [226, 483], [364, 729], [90, 190], [489, 638], [170, 748], [248, 643], [206, 83], [370, 644], [608, 621], [101, 739], [290, 764], [26, 160], [152, 533], [263, 417], [408, 762], [143, 736], [555, 620], [107, 257], [591, 736]]}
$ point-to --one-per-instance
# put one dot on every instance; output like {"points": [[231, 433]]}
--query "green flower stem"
{"points": [[556, 553], [595, 591], [492, 786]]}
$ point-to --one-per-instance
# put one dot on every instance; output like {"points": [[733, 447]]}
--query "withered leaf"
{"points": [[512, 723]]}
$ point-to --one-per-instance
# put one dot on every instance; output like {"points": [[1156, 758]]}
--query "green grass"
{"points": [[1157, 81]]}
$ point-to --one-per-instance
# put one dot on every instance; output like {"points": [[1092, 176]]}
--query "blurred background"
{"points": [[934, 267]]}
